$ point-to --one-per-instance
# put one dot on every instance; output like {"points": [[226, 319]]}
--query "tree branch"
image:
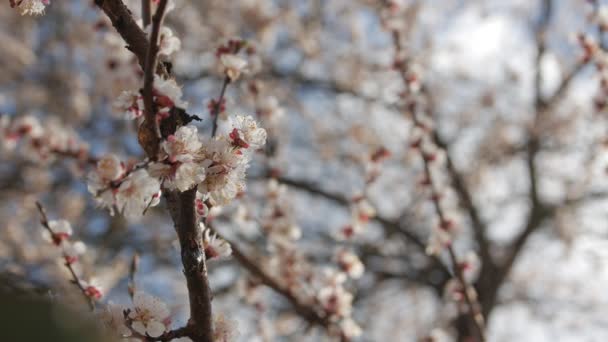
{"points": [[181, 208], [149, 132], [75, 279], [305, 311]]}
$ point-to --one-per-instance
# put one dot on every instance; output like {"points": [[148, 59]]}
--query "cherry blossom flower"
{"points": [[201, 208], [350, 329], [224, 329], [149, 316], [335, 300], [225, 171], [110, 168], [470, 265], [233, 65], [439, 239], [215, 247], [27, 125], [92, 289], [114, 319], [33, 7], [268, 107], [72, 250], [131, 103], [167, 94], [181, 176], [169, 43], [246, 133], [349, 263], [363, 210], [136, 193], [182, 145], [62, 231]]}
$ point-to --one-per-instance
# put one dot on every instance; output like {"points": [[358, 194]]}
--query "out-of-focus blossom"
{"points": [[215, 247], [92, 289], [110, 168], [224, 329], [233, 66], [349, 263], [114, 319]]}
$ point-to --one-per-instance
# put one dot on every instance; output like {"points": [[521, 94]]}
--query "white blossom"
{"points": [[335, 300], [233, 65], [349, 263], [136, 193], [110, 168], [350, 328], [149, 316], [169, 43], [72, 250], [62, 230], [92, 288], [182, 145], [168, 94], [215, 247], [225, 171], [224, 329], [246, 133], [114, 319], [131, 103], [33, 7]]}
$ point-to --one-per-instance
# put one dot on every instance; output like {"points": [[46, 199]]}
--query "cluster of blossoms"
{"points": [[127, 190], [336, 301], [323, 289], [434, 185], [167, 94], [276, 221], [59, 233], [453, 291], [361, 212], [30, 7], [40, 142], [150, 317], [596, 53], [216, 166]]}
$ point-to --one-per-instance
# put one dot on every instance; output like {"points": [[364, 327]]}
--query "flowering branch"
{"points": [[57, 237], [411, 106], [218, 105], [305, 311]]}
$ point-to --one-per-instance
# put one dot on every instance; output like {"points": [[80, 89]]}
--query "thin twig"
{"points": [[216, 109], [45, 223]]}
